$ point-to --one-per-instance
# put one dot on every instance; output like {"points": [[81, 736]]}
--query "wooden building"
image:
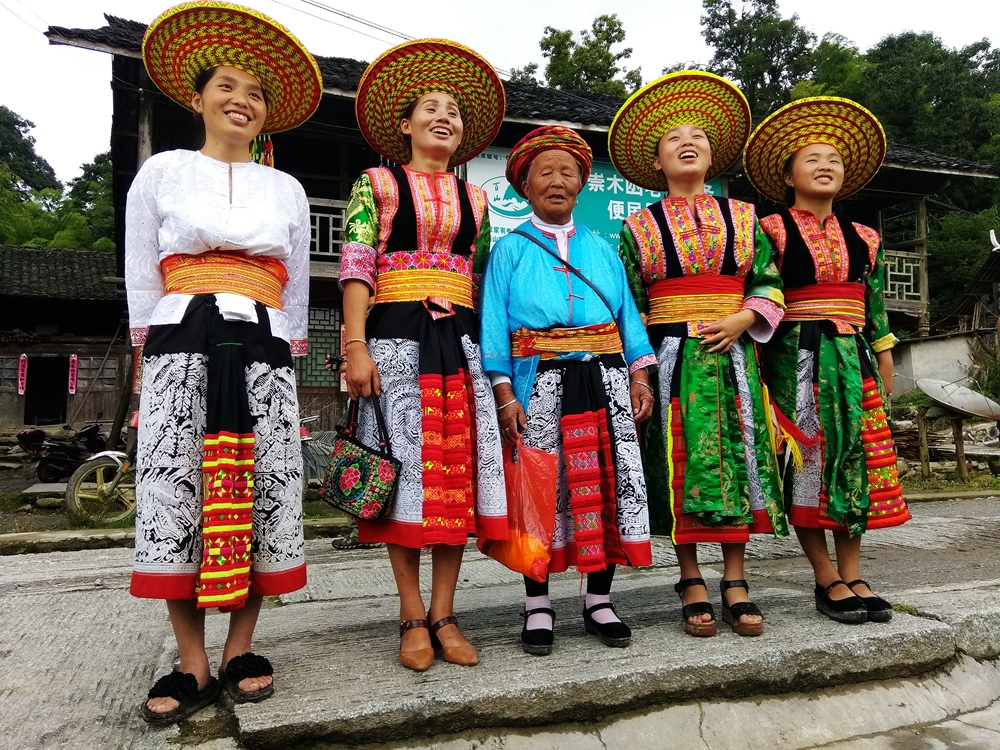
{"points": [[63, 313]]}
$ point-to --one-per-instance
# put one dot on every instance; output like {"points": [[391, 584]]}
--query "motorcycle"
{"points": [[55, 459], [102, 489]]}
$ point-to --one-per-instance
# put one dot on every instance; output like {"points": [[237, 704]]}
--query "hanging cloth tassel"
{"points": [[262, 150]]}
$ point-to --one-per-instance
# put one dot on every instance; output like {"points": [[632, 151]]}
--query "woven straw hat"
{"points": [[409, 70], [192, 37], [689, 97], [847, 126]]}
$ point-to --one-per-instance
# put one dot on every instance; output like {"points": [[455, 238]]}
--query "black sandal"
{"points": [[538, 641], [183, 688], [697, 629], [613, 634], [240, 668], [879, 610], [850, 611], [732, 614]]}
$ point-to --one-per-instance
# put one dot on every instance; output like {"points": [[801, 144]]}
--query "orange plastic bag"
{"points": [[530, 475]]}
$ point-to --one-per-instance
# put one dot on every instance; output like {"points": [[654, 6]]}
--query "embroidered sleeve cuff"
{"points": [[357, 263], [138, 335], [770, 315], [885, 343], [647, 360], [299, 347]]}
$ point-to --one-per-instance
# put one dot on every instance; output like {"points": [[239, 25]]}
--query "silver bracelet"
{"points": [[512, 401]]}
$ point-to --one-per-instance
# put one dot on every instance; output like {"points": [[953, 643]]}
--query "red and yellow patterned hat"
{"points": [[689, 97], [847, 126], [408, 71], [546, 138], [192, 37]]}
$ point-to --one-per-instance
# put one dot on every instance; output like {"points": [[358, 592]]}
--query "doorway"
{"points": [[45, 396]]}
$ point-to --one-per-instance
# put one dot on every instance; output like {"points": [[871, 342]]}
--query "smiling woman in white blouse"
{"points": [[217, 275]]}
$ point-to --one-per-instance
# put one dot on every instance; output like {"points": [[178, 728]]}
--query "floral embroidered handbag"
{"points": [[361, 481]]}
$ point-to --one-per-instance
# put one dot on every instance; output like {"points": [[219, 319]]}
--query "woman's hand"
{"points": [[642, 396], [362, 375], [722, 334], [885, 370], [511, 417]]}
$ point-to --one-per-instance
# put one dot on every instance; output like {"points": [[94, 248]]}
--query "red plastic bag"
{"points": [[530, 475]]}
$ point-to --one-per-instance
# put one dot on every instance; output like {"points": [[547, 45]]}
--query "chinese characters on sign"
{"points": [[602, 205]]}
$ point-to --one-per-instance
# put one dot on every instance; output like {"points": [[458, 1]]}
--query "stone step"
{"points": [[340, 681]]}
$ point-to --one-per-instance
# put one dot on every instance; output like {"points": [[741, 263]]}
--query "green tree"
{"points": [[957, 246], [940, 99], [589, 64], [43, 218], [525, 75], [838, 67], [17, 151], [758, 49], [91, 195], [930, 96]]}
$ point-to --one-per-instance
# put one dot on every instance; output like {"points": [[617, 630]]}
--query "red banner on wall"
{"points": [[74, 366], [22, 374]]}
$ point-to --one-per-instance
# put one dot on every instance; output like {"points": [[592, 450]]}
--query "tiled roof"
{"points": [[57, 274], [524, 102], [903, 155]]}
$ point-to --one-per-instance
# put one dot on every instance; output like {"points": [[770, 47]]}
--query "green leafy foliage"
{"points": [[47, 218], [17, 151], [957, 246], [34, 210], [588, 64], [765, 54]]}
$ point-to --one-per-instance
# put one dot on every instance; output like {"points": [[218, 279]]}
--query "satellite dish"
{"points": [[960, 399]]}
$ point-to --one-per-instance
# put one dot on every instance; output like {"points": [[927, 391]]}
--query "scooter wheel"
{"points": [[89, 493]]}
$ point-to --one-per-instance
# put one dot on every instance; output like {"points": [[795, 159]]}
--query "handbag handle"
{"points": [[352, 420]]}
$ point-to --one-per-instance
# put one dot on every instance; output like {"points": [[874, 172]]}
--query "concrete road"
{"points": [[77, 655]]}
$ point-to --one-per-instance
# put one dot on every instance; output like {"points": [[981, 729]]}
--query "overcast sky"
{"points": [[65, 91]]}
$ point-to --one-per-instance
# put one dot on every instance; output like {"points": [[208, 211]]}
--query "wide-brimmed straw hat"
{"points": [[847, 126], [192, 37], [409, 70], [688, 97]]}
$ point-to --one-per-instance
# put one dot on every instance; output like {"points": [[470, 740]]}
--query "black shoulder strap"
{"points": [[572, 269]]}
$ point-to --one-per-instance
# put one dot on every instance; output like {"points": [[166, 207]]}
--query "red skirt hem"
{"points": [[180, 586], [810, 518], [631, 554]]}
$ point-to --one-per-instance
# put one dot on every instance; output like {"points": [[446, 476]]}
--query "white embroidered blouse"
{"points": [[181, 203]]}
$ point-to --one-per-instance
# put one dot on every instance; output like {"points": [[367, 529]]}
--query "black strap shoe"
{"points": [[879, 610], [850, 611], [537, 641], [613, 634]]}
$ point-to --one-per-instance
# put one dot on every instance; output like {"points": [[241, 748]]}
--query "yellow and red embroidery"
{"points": [[602, 338], [228, 475], [260, 279]]}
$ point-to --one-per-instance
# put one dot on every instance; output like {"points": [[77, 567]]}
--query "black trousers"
{"points": [[598, 583]]}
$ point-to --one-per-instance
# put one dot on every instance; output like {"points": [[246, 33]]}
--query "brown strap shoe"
{"points": [[419, 660], [464, 655]]}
